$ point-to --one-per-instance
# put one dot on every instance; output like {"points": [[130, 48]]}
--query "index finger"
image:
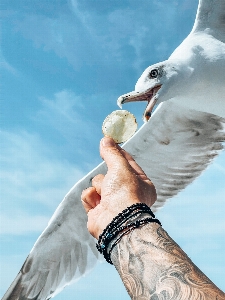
{"points": [[137, 169]]}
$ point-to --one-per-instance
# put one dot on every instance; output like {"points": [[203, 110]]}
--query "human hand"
{"points": [[124, 184]]}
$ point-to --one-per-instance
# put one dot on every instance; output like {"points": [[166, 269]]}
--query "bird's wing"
{"points": [[211, 18], [173, 148], [63, 253]]}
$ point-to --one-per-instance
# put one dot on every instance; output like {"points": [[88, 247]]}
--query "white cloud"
{"points": [[33, 182], [7, 66], [61, 109], [68, 118], [219, 167], [85, 36], [20, 223]]}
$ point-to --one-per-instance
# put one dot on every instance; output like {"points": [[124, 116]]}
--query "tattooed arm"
{"points": [[152, 266]]}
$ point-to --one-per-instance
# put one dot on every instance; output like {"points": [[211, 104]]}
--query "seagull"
{"points": [[194, 75], [174, 146]]}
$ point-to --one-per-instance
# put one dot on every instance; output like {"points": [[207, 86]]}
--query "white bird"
{"points": [[194, 75], [181, 138]]}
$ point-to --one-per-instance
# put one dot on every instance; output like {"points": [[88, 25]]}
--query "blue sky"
{"points": [[63, 65]]}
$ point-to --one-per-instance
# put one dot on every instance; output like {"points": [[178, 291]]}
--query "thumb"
{"points": [[111, 154]]}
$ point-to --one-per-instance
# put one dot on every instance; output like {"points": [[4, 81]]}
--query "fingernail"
{"points": [[107, 142]]}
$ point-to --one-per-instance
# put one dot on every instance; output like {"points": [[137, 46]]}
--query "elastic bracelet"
{"points": [[108, 232], [116, 227], [124, 216], [120, 219], [111, 233]]}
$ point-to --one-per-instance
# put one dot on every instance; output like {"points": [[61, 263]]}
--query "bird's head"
{"points": [[157, 84]]}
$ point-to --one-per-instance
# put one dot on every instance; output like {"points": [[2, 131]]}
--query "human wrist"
{"points": [[105, 212], [134, 216], [139, 217]]}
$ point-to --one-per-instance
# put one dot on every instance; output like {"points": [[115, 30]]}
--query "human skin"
{"points": [[124, 184], [151, 265]]}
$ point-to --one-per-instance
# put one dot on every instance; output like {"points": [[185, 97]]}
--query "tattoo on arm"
{"points": [[152, 266]]}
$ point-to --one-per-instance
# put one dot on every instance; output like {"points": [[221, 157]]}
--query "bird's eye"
{"points": [[154, 73]]}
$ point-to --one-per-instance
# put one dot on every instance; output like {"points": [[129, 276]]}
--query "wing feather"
{"points": [[175, 146], [64, 252], [211, 18]]}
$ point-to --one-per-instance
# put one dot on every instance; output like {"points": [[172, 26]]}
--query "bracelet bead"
{"points": [[116, 227]]}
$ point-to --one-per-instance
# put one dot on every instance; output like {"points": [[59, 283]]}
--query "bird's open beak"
{"points": [[149, 95]]}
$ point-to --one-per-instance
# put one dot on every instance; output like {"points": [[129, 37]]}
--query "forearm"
{"points": [[152, 266]]}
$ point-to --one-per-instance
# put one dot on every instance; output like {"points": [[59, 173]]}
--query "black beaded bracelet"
{"points": [[120, 219], [109, 235], [125, 215], [115, 227]]}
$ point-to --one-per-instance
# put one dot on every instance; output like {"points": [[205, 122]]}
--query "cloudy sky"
{"points": [[63, 65]]}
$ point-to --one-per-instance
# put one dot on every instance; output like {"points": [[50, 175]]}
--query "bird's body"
{"points": [[204, 56], [182, 137]]}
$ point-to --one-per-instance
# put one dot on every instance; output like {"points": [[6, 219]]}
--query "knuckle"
{"points": [[97, 178], [85, 193]]}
